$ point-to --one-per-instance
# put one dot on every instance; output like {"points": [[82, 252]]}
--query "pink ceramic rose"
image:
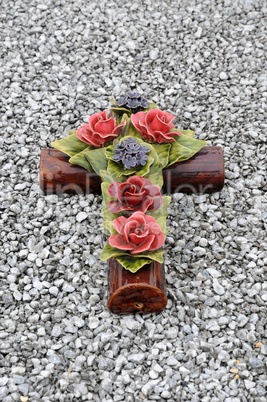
{"points": [[136, 194], [137, 234], [155, 125], [100, 129]]}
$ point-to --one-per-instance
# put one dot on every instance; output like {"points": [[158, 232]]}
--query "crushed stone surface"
{"points": [[203, 61]]}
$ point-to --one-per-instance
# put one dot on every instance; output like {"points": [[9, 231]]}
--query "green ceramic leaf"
{"points": [[110, 151], [133, 264], [79, 159], [161, 214], [156, 255], [107, 215], [132, 132], [71, 132], [152, 152], [108, 226], [125, 116], [119, 111], [190, 142], [184, 148], [105, 195], [109, 252], [155, 175], [189, 133], [162, 151], [97, 159], [70, 145], [151, 106], [108, 178]]}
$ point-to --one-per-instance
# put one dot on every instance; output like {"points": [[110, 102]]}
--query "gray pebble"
{"points": [[81, 216], [219, 289], [53, 290]]}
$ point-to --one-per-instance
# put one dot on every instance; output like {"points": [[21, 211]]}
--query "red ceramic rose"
{"points": [[137, 234], [136, 194], [155, 125], [100, 129]]}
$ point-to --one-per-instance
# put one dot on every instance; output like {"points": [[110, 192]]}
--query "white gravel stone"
{"points": [[223, 76], [45, 373], [153, 54], [93, 322], [37, 285], [148, 387], [137, 358], [53, 290], [107, 385], [130, 45], [249, 384], [32, 257], [43, 254], [219, 289], [3, 381], [81, 216], [68, 288], [18, 370]]}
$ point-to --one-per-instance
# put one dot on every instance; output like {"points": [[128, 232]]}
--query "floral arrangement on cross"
{"points": [[128, 147]]}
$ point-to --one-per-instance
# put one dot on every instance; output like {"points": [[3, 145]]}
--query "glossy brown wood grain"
{"points": [[203, 173], [140, 292]]}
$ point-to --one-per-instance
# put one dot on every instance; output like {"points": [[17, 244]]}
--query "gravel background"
{"points": [[204, 61]]}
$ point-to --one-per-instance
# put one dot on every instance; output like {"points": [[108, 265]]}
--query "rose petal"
{"points": [[137, 118], [151, 114], [157, 202], [147, 133], [138, 239], [163, 138], [155, 229], [84, 129], [145, 246], [150, 220], [117, 129], [132, 189], [121, 190], [127, 196], [140, 217], [151, 189], [112, 190], [118, 242], [105, 126], [130, 226], [158, 125], [95, 118], [134, 199], [138, 181], [115, 207], [88, 138], [176, 133], [119, 224], [168, 117], [154, 192], [158, 242], [145, 204], [101, 139]]}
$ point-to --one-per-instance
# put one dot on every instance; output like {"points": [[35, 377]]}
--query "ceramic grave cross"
{"points": [[132, 156]]}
